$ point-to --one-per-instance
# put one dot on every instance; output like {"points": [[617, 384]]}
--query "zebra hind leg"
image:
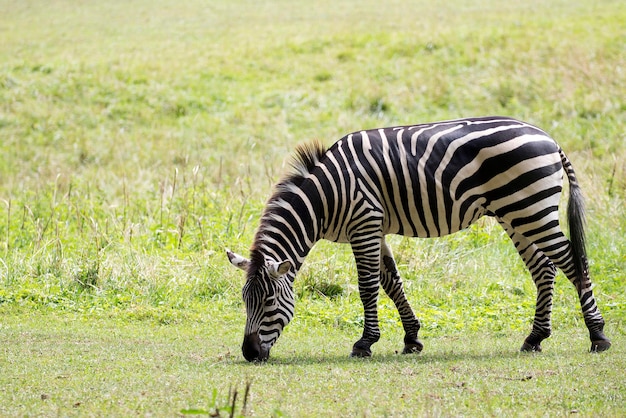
{"points": [[591, 313], [392, 284], [559, 251], [543, 273], [563, 259]]}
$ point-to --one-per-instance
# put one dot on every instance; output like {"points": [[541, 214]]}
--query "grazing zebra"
{"points": [[426, 180]]}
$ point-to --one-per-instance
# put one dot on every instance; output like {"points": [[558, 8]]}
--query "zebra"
{"points": [[425, 180]]}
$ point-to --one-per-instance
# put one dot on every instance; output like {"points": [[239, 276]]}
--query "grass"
{"points": [[138, 140], [78, 365]]}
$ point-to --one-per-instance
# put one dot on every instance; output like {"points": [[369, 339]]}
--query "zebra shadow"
{"points": [[451, 356]]}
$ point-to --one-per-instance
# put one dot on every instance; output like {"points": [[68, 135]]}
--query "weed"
{"points": [[229, 408], [87, 277]]}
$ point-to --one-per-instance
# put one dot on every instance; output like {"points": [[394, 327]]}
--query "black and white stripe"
{"points": [[426, 180]]}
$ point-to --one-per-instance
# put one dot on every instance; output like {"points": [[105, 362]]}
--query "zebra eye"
{"points": [[269, 302]]}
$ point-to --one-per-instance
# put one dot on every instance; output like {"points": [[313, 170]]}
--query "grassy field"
{"points": [[139, 139]]}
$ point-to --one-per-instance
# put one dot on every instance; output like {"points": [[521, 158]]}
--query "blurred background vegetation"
{"points": [[138, 139]]}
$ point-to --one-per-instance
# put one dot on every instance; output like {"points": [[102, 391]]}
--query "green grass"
{"points": [[80, 365], [138, 140]]}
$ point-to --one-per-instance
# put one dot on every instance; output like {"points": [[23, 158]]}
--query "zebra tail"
{"points": [[576, 220]]}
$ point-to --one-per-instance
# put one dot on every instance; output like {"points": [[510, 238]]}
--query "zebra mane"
{"points": [[302, 163], [304, 159], [257, 260]]}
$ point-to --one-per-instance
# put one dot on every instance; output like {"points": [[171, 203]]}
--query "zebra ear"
{"points": [[237, 260], [278, 269]]}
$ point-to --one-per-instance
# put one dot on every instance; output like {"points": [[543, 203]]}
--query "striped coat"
{"points": [[425, 180]]}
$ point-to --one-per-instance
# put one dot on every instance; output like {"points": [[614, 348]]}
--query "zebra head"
{"points": [[269, 299]]}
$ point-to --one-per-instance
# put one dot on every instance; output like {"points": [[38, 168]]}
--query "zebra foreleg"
{"points": [[392, 284], [368, 290], [367, 257]]}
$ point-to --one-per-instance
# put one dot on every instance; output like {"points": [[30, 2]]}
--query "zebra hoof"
{"points": [[600, 345], [413, 348], [530, 348], [360, 352]]}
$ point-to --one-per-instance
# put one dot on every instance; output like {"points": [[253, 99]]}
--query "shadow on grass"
{"points": [[443, 350], [422, 358]]}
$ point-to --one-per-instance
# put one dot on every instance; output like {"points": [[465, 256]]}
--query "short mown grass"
{"points": [[138, 140], [86, 365]]}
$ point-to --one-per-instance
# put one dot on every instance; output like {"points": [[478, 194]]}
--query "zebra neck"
{"points": [[284, 236], [292, 220]]}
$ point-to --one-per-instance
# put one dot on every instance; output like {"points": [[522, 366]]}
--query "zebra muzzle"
{"points": [[253, 350]]}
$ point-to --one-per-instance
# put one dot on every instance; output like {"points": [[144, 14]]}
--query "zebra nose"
{"points": [[251, 348]]}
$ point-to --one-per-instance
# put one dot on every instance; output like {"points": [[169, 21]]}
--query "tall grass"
{"points": [[139, 140]]}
